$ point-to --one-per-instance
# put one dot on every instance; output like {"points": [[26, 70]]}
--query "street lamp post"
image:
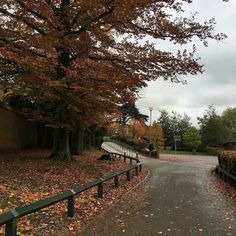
{"points": [[150, 109]]}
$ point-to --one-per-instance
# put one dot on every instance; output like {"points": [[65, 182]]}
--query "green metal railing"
{"points": [[9, 219], [225, 175]]}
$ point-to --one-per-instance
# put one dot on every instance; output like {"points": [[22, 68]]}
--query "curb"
{"points": [[136, 186], [80, 232]]}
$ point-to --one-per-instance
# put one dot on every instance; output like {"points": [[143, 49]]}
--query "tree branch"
{"points": [[23, 20], [35, 13]]}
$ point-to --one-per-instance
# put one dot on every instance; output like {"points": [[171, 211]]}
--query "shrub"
{"points": [[154, 154], [140, 143], [137, 144], [213, 150], [227, 161]]}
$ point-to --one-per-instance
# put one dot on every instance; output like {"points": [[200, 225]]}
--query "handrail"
{"points": [[121, 155], [225, 175], [10, 218]]}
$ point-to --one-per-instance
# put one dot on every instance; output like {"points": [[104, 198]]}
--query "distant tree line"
{"points": [[212, 132], [214, 129]]}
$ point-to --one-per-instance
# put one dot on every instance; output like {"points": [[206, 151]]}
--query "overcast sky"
{"points": [[217, 85]]}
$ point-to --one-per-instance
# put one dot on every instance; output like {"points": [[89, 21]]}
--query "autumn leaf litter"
{"points": [[27, 176]]}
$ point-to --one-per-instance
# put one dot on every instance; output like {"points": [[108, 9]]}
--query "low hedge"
{"points": [[227, 161], [153, 153], [138, 145], [213, 151]]}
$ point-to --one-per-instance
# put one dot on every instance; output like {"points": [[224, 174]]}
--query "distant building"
{"points": [[18, 132]]}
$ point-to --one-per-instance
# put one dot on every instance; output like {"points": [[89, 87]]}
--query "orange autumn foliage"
{"points": [[72, 62], [138, 129]]}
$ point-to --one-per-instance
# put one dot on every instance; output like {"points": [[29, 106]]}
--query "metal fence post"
{"points": [[71, 205], [100, 188], [117, 181], [136, 169], [128, 175], [130, 161], [11, 227], [124, 156]]}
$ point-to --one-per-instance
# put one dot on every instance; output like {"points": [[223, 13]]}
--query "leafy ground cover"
{"points": [[28, 175], [225, 188]]}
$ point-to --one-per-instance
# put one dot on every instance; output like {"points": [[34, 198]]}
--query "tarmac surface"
{"points": [[178, 198]]}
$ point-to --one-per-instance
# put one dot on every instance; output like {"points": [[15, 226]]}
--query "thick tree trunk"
{"points": [[81, 141], [61, 139], [77, 142], [61, 148], [45, 136]]}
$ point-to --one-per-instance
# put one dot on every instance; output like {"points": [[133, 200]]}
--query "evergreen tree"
{"points": [[212, 128]]}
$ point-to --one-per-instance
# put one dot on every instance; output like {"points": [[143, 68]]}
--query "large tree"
{"points": [[81, 58], [157, 137], [229, 119], [173, 124], [138, 129], [192, 138], [212, 128], [165, 123], [129, 111]]}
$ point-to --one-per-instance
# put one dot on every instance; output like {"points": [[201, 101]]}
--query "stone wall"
{"points": [[16, 131]]}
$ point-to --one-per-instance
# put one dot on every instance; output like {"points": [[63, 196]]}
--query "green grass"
{"points": [[183, 152]]}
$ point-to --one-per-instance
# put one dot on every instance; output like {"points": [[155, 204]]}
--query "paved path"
{"points": [[178, 199]]}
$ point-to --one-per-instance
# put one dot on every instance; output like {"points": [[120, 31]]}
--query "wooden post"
{"points": [[136, 170], [130, 161], [124, 156]]}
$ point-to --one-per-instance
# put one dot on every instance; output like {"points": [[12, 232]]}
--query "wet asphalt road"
{"points": [[178, 198]]}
